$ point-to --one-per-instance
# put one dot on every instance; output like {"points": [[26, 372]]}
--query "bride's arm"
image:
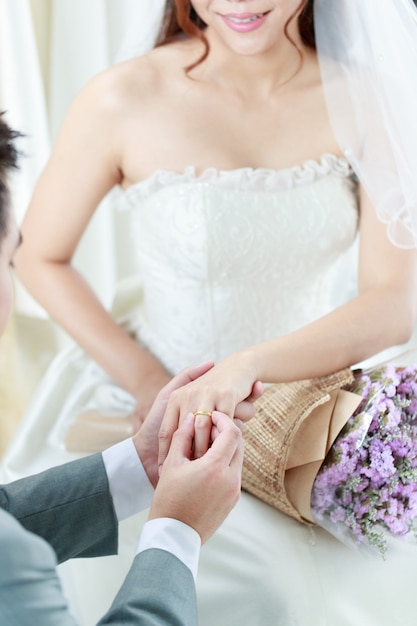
{"points": [[85, 164], [382, 315]]}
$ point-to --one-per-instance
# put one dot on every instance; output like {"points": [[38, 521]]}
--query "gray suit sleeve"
{"points": [[30, 591], [159, 590], [70, 506]]}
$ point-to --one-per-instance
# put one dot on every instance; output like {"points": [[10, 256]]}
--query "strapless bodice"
{"points": [[232, 258]]}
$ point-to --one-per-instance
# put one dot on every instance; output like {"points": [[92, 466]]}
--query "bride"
{"points": [[274, 226]]}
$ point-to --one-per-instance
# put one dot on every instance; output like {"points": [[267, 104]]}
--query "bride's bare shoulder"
{"points": [[144, 77]]}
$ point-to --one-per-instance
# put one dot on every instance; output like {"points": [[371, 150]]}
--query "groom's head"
{"points": [[9, 234], [8, 161]]}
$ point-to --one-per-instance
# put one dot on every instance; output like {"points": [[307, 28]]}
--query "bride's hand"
{"points": [[230, 387]]}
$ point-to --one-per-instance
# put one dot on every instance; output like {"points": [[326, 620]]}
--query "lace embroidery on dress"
{"points": [[238, 257], [242, 179]]}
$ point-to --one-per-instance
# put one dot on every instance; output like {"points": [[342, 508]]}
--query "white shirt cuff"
{"points": [[173, 536], [129, 484]]}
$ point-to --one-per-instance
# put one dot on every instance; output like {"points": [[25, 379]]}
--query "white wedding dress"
{"points": [[228, 259]]}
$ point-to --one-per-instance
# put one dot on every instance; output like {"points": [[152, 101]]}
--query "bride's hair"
{"points": [[180, 18]]}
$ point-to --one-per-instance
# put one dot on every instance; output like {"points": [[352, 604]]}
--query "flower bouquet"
{"points": [[340, 452], [366, 488]]}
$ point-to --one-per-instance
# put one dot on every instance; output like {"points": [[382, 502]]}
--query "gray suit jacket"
{"points": [[68, 512]]}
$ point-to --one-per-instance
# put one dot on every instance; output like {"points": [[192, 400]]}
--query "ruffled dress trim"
{"points": [[243, 179]]}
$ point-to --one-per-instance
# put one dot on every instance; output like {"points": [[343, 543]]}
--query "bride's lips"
{"points": [[245, 22]]}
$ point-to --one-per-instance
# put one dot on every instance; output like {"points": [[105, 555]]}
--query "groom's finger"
{"points": [[182, 445], [228, 444]]}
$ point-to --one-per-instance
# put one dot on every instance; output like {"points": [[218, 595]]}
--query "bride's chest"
{"points": [[173, 133], [243, 219]]}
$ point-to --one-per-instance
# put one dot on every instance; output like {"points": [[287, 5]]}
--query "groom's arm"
{"points": [[159, 590], [76, 507], [70, 506], [148, 596]]}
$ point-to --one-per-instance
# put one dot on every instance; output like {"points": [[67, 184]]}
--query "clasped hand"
{"points": [[199, 480], [190, 390], [229, 387]]}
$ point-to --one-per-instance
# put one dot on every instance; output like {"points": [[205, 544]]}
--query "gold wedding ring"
{"points": [[207, 413]]}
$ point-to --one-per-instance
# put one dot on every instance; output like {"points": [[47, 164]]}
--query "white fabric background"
{"points": [[48, 50]]}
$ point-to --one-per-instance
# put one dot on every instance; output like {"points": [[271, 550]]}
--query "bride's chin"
{"points": [[253, 44]]}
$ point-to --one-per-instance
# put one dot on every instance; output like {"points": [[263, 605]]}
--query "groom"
{"points": [[73, 510]]}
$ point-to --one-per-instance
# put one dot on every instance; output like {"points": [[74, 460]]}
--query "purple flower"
{"points": [[368, 481], [382, 463]]}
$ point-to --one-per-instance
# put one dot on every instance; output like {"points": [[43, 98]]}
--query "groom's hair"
{"points": [[9, 156]]}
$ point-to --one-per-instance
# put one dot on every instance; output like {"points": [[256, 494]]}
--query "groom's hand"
{"points": [[146, 439], [201, 492]]}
